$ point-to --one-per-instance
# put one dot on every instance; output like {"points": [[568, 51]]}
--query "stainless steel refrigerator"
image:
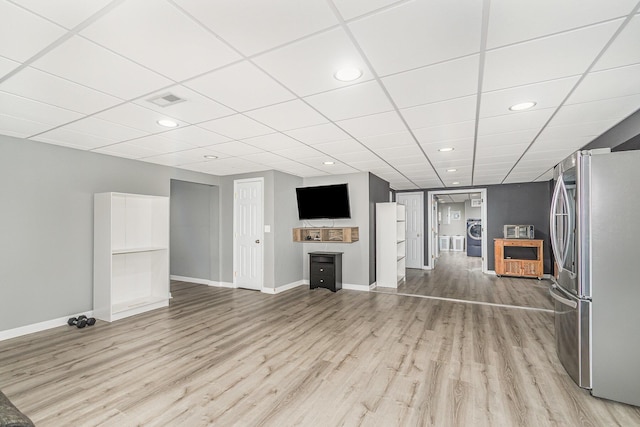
{"points": [[595, 237]]}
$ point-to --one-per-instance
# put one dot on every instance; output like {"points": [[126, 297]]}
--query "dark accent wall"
{"points": [[378, 192], [620, 134], [526, 203]]}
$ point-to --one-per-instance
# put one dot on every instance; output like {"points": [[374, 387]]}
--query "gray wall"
{"points": [[194, 230], [471, 212], [378, 193], [46, 223], [355, 260], [288, 262], [455, 227]]}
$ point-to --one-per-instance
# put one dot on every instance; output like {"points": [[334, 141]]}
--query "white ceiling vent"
{"points": [[166, 99]]}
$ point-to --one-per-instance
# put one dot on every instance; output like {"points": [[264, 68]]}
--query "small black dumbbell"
{"points": [[81, 321]]}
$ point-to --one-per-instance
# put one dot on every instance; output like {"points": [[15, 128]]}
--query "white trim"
{"points": [[351, 287], [283, 288], [491, 304], [493, 272], [191, 280], [427, 267], [222, 284], [261, 227], [37, 327]]}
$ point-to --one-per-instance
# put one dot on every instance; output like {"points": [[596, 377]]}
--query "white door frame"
{"points": [[421, 240], [433, 221], [261, 228]]}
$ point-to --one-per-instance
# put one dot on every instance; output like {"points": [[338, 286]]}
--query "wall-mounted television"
{"points": [[323, 202]]}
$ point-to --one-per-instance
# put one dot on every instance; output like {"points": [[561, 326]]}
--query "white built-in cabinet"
{"points": [[390, 244], [131, 254]]}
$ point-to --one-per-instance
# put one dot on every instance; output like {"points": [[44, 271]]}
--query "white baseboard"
{"points": [[427, 267], [203, 281], [351, 287], [283, 288], [41, 326], [492, 272]]}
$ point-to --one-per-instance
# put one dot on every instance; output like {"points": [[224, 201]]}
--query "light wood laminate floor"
{"points": [[224, 357], [460, 277]]}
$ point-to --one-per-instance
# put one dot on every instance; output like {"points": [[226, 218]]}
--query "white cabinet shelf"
{"points": [[131, 254], [390, 244]]}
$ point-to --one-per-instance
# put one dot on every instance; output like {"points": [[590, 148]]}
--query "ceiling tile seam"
{"points": [[557, 33], [486, 8], [580, 80], [63, 38], [374, 12], [384, 89]]}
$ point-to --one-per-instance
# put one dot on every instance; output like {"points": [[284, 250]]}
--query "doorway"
{"points": [[438, 198], [414, 208], [248, 233]]}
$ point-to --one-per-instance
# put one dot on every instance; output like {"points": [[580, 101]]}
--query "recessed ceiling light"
{"points": [[329, 163], [348, 74], [451, 170], [522, 106], [167, 123], [445, 149], [455, 183], [210, 156]]}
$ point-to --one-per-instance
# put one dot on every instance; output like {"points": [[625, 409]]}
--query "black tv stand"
{"points": [[325, 270]]}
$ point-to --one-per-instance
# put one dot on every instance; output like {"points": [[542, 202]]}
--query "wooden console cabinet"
{"points": [[325, 270], [508, 265]]}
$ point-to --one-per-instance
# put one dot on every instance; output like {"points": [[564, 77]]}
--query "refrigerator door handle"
{"points": [[561, 299], [553, 224]]}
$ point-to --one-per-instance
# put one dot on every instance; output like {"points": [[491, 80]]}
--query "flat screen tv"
{"points": [[323, 202]]}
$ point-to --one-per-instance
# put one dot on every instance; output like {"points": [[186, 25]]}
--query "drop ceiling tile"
{"points": [[351, 8], [592, 129], [364, 165], [40, 86], [88, 64], [447, 80], [624, 49], [498, 159], [7, 65], [338, 169], [297, 153], [364, 158], [20, 128], [253, 26], [512, 21], [572, 143], [514, 121], [137, 117], [194, 109], [308, 66], [266, 158], [160, 144], [561, 55], [547, 94], [491, 152], [407, 152], [170, 159], [71, 138], [97, 127], [125, 149], [415, 168], [606, 84], [615, 108], [374, 124], [197, 154], [318, 134], [340, 147], [67, 13], [419, 33], [236, 148], [23, 34], [389, 140], [273, 141], [27, 109], [432, 183], [453, 131], [352, 101], [241, 86], [441, 113], [547, 158], [183, 52], [237, 127], [288, 115], [488, 180], [196, 136], [507, 138]]}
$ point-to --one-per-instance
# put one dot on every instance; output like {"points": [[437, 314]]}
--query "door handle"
{"points": [[257, 240], [561, 299]]}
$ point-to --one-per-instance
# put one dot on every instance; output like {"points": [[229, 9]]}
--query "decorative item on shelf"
{"points": [[326, 234]]}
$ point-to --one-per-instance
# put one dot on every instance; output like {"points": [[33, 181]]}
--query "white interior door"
{"points": [[248, 232], [414, 204]]}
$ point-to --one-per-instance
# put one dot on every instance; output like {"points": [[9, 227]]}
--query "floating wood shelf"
{"points": [[326, 235]]}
